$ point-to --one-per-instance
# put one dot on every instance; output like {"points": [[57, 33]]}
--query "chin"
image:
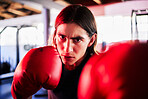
{"points": [[69, 66], [70, 63]]}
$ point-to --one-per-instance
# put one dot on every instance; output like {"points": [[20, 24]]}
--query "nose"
{"points": [[68, 46]]}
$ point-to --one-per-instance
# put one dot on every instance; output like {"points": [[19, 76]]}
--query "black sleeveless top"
{"points": [[67, 87]]}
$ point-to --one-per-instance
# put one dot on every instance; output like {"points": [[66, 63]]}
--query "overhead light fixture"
{"points": [[98, 1], [62, 2]]}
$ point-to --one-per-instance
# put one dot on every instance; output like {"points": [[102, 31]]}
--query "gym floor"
{"points": [[5, 91]]}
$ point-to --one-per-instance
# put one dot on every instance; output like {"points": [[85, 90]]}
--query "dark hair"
{"points": [[80, 15]]}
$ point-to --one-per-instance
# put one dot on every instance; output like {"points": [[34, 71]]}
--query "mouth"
{"points": [[68, 57]]}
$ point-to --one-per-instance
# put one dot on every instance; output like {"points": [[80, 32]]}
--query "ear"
{"points": [[92, 40]]}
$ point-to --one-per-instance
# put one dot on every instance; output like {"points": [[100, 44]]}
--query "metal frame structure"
{"points": [[134, 23]]}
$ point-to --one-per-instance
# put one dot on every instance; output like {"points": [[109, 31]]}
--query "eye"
{"points": [[62, 37], [76, 40]]}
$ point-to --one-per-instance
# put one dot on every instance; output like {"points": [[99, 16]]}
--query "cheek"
{"points": [[81, 49], [59, 46]]}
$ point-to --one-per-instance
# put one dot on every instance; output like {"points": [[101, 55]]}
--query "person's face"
{"points": [[71, 42]]}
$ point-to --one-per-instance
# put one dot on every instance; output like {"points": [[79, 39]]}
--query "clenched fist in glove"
{"points": [[120, 73], [40, 67]]}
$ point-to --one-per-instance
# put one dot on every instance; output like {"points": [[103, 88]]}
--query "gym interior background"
{"points": [[26, 24]]}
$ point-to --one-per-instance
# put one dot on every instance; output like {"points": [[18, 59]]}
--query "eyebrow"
{"points": [[62, 35], [77, 37]]}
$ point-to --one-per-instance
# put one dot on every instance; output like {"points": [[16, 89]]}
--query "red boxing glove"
{"points": [[40, 67], [120, 73]]}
